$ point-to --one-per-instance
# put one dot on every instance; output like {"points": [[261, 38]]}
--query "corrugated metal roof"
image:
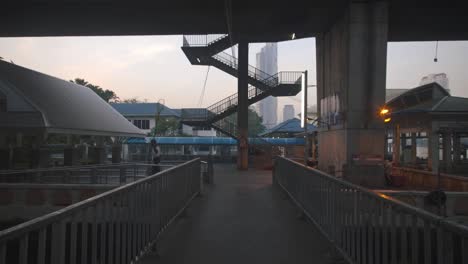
{"points": [[213, 141], [65, 107], [453, 104], [447, 104], [289, 126], [144, 109], [392, 93]]}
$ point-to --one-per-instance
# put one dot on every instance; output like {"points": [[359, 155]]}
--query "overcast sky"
{"points": [[154, 67]]}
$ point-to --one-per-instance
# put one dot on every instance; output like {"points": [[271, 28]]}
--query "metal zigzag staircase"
{"points": [[209, 50]]}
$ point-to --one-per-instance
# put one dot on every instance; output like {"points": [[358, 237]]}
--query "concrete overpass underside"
{"points": [[260, 20], [351, 38]]}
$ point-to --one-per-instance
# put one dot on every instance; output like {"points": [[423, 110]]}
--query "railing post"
{"points": [[123, 175], [93, 175]]}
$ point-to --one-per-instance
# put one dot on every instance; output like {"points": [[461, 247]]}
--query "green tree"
{"points": [[106, 95], [134, 100], [166, 127], [254, 120]]}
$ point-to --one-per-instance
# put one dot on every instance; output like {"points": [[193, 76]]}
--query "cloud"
{"points": [[135, 55], [151, 50]]}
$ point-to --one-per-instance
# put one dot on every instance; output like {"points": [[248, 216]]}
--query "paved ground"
{"points": [[241, 219]]}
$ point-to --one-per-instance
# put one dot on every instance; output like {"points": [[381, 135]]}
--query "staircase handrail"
{"points": [[201, 40], [232, 61], [232, 100]]}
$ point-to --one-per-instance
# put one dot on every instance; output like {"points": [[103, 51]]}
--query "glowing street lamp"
{"points": [[385, 114], [384, 111]]}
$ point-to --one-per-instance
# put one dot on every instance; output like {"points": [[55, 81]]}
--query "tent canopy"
{"points": [[39, 101]]}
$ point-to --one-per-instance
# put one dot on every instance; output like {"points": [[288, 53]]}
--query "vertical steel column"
{"points": [[243, 106], [447, 154], [413, 148], [304, 116], [396, 145]]}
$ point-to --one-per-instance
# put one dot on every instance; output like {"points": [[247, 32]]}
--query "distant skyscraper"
{"points": [[440, 78], [267, 61], [288, 112]]}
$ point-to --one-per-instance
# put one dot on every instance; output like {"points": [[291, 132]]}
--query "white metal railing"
{"points": [[118, 226], [201, 40], [120, 173], [370, 227]]}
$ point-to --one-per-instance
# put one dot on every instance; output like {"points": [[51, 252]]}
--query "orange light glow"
{"points": [[386, 120], [384, 111]]}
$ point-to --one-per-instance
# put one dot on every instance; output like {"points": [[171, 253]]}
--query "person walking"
{"points": [[155, 156]]}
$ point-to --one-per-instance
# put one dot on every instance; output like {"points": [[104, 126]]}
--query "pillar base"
{"points": [[370, 176], [116, 154], [98, 155], [4, 159], [354, 154], [70, 157]]}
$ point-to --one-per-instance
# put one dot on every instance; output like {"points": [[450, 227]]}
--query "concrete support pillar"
{"points": [[4, 152], [351, 82], [413, 148], [243, 107], [99, 151], [396, 145], [447, 151], [117, 153], [70, 156], [40, 153]]}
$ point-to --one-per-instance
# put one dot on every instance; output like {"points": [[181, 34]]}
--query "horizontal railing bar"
{"points": [[403, 206], [67, 168], [41, 221], [455, 227]]}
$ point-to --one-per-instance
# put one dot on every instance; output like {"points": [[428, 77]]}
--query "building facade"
{"points": [[440, 78], [267, 62], [288, 112], [144, 115]]}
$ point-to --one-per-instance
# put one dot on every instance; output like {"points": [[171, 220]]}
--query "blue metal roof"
{"points": [[143, 109], [292, 125], [212, 141]]}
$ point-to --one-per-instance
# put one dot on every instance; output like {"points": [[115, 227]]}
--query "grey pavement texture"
{"points": [[242, 218]]}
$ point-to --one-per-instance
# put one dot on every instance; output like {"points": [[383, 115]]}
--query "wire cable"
{"points": [[228, 13], [202, 95]]}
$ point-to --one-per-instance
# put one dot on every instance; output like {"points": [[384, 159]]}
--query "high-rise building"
{"points": [[267, 62], [288, 112], [440, 78]]}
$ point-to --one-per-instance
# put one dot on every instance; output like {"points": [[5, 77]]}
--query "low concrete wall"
{"points": [[419, 179], [456, 206], [22, 202]]}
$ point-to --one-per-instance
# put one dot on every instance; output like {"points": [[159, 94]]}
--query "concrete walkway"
{"points": [[241, 219]]}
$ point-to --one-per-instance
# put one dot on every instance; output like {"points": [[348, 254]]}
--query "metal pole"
{"points": [[243, 106], [304, 115]]}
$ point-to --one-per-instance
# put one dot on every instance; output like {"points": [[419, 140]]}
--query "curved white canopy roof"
{"points": [[36, 100]]}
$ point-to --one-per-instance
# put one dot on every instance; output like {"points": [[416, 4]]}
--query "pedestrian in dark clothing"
{"points": [[155, 156]]}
